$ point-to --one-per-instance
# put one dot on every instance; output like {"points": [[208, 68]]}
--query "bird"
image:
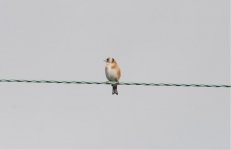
{"points": [[113, 73]]}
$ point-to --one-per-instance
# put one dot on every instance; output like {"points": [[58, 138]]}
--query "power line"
{"points": [[120, 83]]}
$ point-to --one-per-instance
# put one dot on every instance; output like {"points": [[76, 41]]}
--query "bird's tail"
{"points": [[114, 89]]}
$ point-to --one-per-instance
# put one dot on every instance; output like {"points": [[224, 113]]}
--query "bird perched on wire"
{"points": [[113, 73]]}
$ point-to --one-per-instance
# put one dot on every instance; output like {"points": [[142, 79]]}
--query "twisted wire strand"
{"points": [[120, 83]]}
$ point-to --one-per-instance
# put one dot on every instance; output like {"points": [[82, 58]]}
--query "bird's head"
{"points": [[110, 60]]}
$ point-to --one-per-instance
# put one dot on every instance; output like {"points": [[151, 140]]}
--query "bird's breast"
{"points": [[111, 73]]}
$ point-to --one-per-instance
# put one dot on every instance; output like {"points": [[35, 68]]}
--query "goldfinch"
{"points": [[113, 73]]}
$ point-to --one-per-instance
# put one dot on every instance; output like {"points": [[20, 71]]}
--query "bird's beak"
{"points": [[104, 60]]}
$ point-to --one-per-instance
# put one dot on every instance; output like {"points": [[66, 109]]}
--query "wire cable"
{"points": [[118, 83]]}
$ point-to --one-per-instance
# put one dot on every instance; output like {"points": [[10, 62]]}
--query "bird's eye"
{"points": [[107, 59]]}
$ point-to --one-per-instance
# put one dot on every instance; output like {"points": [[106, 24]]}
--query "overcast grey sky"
{"points": [[176, 41]]}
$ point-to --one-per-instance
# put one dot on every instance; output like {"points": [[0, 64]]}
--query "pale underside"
{"points": [[111, 74]]}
